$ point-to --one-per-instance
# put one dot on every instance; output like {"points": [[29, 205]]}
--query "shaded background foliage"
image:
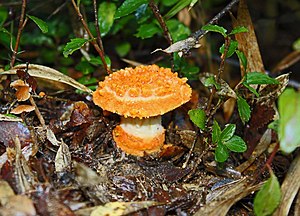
{"points": [[275, 23]]}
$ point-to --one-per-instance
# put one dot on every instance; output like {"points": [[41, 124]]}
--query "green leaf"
{"points": [[215, 28], [221, 153], [244, 109], [106, 12], [296, 44], [169, 2], [97, 61], [289, 127], [274, 125], [227, 132], [236, 144], [242, 58], [176, 8], [85, 67], [177, 30], [216, 132], [251, 89], [211, 81], [238, 29], [231, 49], [123, 48], [40, 23], [147, 30], [3, 15], [198, 117], [259, 78], [193, 2], [268, 197], [73, 45], [129, 6]]}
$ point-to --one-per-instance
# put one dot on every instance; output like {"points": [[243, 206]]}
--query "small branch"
{"points": [[192, 41], [22, 24], [37, 112], [99, 39], [200, 33], [161, 21], [220, 72], [94, 43]]}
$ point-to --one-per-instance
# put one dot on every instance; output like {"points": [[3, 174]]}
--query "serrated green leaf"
{"points": [[215, 28], [216, 132], [198, 117], [259, 78], [73, 45], [221, 153], [231, 49], [40, 23], [238, 29], [289, 128], [244, 109], [129, 6], [227, 132], [242, 58], [106, 13], [268, 197], [211, 81], [251, 89], [147, 30], [236, 144], [176, 8]]}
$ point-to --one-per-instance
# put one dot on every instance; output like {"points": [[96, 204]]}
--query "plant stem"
{"points": [[99, 39], [22, 24], [220, 72], [161, 21], [37, 112], [94, 43]]}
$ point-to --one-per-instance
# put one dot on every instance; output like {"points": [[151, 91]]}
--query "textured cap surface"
{"points": [[141, 92]]}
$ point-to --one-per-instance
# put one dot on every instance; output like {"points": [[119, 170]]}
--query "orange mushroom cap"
{"points": [[141, 92]]}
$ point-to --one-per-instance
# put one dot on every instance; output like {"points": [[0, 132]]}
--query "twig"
{"points": [[37, 112], [192, 41], [161, 21], [94, 43], [220, 72], [99, 39], [200, 33], [22, 24]]}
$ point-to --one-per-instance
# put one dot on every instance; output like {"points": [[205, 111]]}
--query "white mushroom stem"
{"points": [[146, 128]]}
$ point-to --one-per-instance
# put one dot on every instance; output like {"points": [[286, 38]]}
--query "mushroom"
{"points": [[140, 96]]}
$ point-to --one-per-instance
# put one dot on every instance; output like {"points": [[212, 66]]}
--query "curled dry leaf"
{"points": [[44, 72], [181, 46], [23, 90], [22, 108], [62, 158]]}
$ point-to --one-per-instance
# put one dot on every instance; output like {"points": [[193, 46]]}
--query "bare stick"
{"points": [[99, 39], [161, 21], [22, 24], [37, 112], [220, 72], [94, 43], [192, 41]]}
